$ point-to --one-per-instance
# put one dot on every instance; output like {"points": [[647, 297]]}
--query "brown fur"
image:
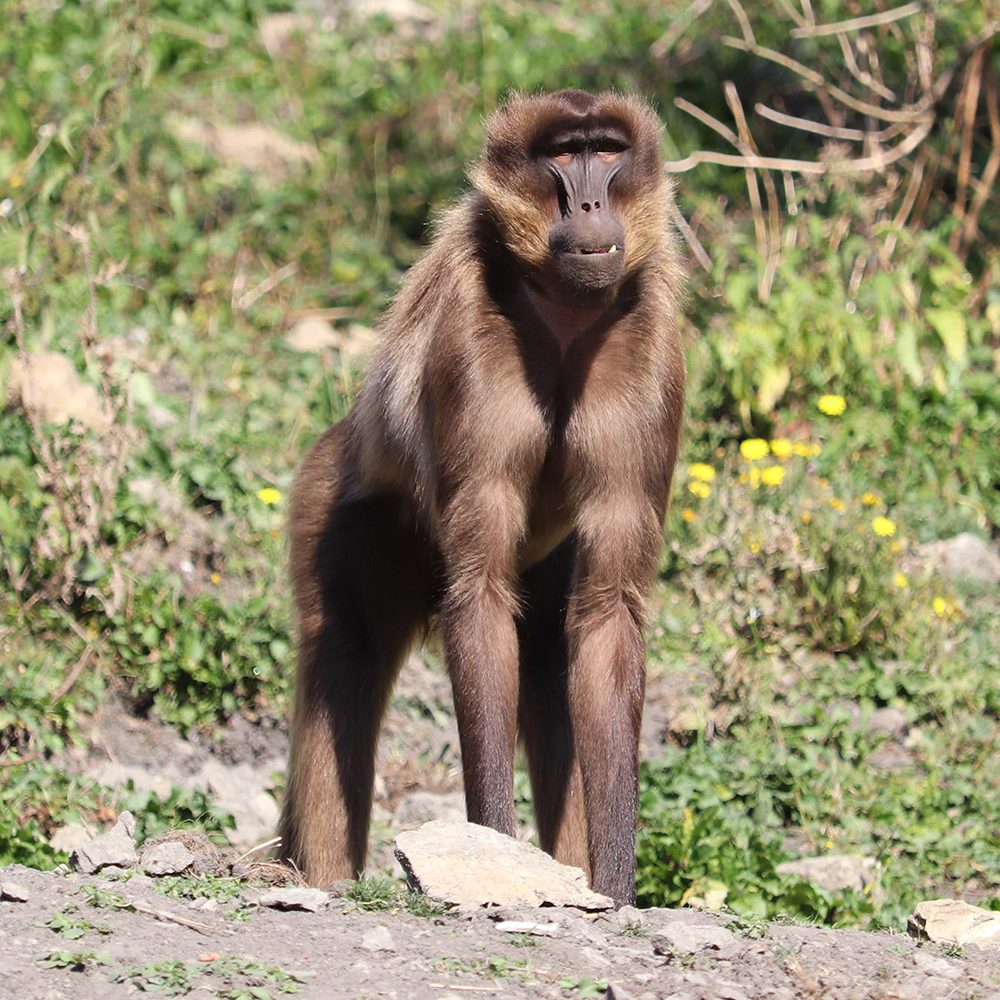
{"points": [[506, 466]]}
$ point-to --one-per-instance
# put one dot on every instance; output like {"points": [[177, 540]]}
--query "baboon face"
{"points": [[560, 175], [587, 240]]}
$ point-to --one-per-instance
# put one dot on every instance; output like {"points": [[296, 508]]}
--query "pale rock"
{"points": [[312, 334], [252, 146], [277, 30], [50, 387], [378, 939], [465, 865], [295, 898], [964, 557], [833, 872], [13, 893], [113, 849], [423, 807], [169, 858], [69, 837], [954, 922], [888, 720], [678, 939], [527, 927], [934, 966]]}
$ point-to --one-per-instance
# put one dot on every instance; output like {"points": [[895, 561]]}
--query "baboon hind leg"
{"points": [[361, 577], [546, 729]]}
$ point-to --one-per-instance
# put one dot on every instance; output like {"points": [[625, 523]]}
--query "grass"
{"points": [[147, 562]]}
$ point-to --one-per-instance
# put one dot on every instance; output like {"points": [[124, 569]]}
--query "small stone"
{"points": [[833, 872], [257, 148], [113, 849], [423, 807], [295, 898], [278, 30], [49, 386], [527, 927], [170, 858], [964, 557], [934, 966], [378, 939], [312, 334], [69, 837], [679, 939], [466, 865], [891, 721], [13, 892], [954, 922]]}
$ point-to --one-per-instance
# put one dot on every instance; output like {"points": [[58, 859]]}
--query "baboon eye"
{"points": [[562, 158], [608, 155]]}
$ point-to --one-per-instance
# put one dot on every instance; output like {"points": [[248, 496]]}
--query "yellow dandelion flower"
{"points": [[701, 471], [832, 405], [754, 479], [689, 515], [772, 475], [781, 447], [806, 517], [943, 608], [896, 548], [269, 495], [754, 448], [16, 180], [216, 579], [884, 527], [900, 581], [837, 504], [755, 547], [699, 489], [870, 499]]}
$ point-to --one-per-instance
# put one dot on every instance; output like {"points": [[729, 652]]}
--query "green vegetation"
{"points": [[848, 323]]}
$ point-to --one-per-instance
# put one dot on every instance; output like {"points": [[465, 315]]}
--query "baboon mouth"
{"points": [[588, 251]]}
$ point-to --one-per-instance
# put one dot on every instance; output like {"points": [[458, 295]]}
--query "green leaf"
{"points": [[950, 327]]}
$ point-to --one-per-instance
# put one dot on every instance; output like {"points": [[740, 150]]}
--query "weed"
{"points": [[76, 961], [98, 896], [584, 986], [220, 888], [72, 927], [171, 977]]}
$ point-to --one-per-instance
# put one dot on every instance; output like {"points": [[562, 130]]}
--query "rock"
{"points": [[170, 858], [833, 872], [295, 898], [50, 387], [277, 31], [423, 807], [13, 892], [69, 837], [964, 557], [954, 922], [378, 939], [408, 17], [890, 721], [252, 146], [678, 939], [244, 791], [465, 865], [527, 927], [311, 335], [934, 966], [114, 848]]}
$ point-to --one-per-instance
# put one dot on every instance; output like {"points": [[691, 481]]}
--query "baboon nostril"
{"points": [[586, 206], [597, 204]]}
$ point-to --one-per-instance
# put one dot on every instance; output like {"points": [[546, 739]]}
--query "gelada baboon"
{"points": [[505, 469]]}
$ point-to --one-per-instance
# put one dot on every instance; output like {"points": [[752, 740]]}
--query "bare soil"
{"points": [[347, 952]]}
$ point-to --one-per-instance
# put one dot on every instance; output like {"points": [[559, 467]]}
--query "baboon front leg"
{"points": [[480, 533], [616, 557], [546, 726], [362, 588]]}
